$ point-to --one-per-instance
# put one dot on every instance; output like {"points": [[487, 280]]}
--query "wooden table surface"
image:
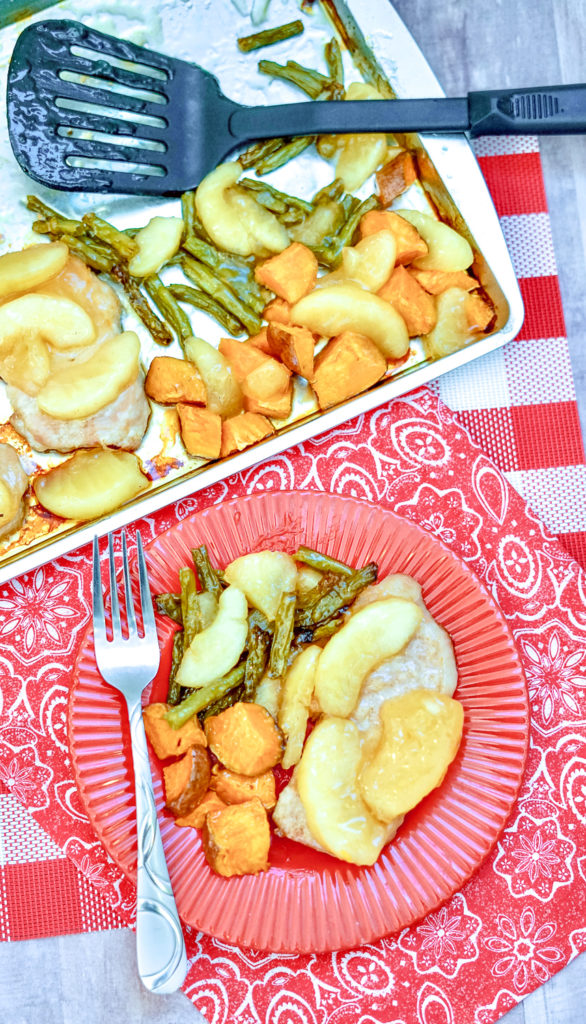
{"points": [[471, 44]]}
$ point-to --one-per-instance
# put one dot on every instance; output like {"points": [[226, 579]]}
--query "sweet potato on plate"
{"points": [[239, 432], [410, 244], [186, 780], [245, 738], [290, 274], [349, 364], [278, 311], [437, 281], [293, 346], [166, 741], [395, 177], [236, 839], [171, 380], [278, 406], [209, 802], [414, 304], [234, 788], [201, 431]]}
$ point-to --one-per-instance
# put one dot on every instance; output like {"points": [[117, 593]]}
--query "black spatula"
{"points": [[81, 119]]}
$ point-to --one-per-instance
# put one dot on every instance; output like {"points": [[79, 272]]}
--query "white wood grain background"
{"points": [[471, 44]]}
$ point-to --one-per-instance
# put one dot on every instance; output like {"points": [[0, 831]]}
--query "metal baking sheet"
{"points": [[205, 31]]}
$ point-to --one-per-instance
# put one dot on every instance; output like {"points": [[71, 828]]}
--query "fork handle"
{"points": [[162, 960]]}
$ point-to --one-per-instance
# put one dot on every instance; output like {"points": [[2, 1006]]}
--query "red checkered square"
{"points": [[547, 435], [515, 182], [575, 544], [544, 315], [56, 909]]}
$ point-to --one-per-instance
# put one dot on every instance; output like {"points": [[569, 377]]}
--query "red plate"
{"points": [[310, 902]]}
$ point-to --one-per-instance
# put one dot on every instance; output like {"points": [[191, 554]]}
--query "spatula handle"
{"points": [[553, 110]]}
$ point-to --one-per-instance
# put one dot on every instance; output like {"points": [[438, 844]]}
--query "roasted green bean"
{"points": [[213, 285], [282, 200], [329, 253], [208, 576], [200, 699], [174, 689], [170, 605], [199, 299], [323, 563], [96, 256], [189, 611], [59, 226], [333, 56], [159, 330], [168, 306], [343, 593], [222, 703], [270, 36], [123, 245], [258, 651], [281, 156], [284, 626], [306, 79]]}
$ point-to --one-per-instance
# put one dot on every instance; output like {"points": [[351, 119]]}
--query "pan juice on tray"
{"points": [[303, 664], [132, 356]]}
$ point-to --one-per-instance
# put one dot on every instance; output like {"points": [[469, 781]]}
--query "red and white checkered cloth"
{"points": [[518, 404]]}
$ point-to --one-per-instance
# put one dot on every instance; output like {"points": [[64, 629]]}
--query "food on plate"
{"points": [[187, 780], [90, 484], [319, 297], [342, 682], [214, 651], [13, 485]]}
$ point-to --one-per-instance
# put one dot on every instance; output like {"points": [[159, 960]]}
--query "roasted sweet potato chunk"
{"points": [[410, 244], [480, 312], [258, 374], [414, 304], [245, 738], [234, 788], [260, 341], [395, 177], [290, 274], [278, 311], [166, 741], [210, 801], [236, 839], [241, 431], [293, 346], [348, 364], [186, 780], [201, 431], [437, 281], [171, 380]]}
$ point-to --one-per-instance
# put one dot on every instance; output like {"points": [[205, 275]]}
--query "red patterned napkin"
{"points": [[513, 925]]}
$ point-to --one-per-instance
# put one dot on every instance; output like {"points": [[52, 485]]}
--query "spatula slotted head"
{"points": [[91, 113]]}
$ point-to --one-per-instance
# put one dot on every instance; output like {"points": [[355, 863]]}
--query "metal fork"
{"points": [[129, 664]]}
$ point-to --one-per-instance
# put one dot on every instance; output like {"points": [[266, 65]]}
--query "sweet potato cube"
{"points": [[201, 431], [348, 364], [186, 780], [278, 311], [243, 358], [293, 346], [260, 341], [290, 274], [236, 839], [245, 738], [410, 244], [277, 406], [233, 788], [414, 304], [437, 281], [166, 741], [479, 312], [210, 801], [395, 177], [171, 380], [239, 432]]}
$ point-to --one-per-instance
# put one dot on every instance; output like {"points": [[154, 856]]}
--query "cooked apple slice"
{"points": [[421, 733], [215, 650], [90, 484], [348, 307], [28, 268], [157, 242], [25, 364], [296, 697], [263, 576], [377, 632], [57, 320], [82, 388], [326, 778]]}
